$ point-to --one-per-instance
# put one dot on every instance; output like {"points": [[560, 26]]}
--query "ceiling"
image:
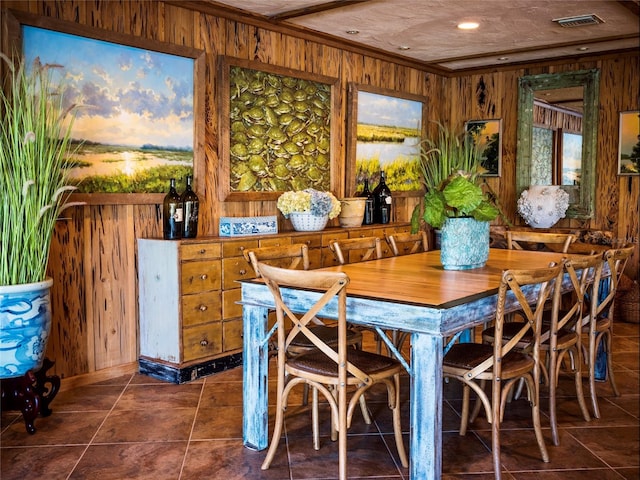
{"points": [[425, 31]]}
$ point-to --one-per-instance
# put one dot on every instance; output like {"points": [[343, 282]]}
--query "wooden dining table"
{"points": [[410, 293]]}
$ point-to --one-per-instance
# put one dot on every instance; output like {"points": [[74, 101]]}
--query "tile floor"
{"points": [[136, 427]]}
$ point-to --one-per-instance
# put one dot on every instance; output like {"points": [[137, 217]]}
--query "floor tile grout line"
{"points": [[75, 465], [193, 426]]}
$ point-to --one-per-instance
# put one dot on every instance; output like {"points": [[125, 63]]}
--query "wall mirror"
{"points": [[557, 134]]}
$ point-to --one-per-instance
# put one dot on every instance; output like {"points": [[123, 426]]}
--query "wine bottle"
{"points": [[382, 202], [172, 213], [369, 204], [190, 205]]}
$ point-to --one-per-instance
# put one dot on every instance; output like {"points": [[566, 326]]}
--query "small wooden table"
{"points": [[411, 293]]}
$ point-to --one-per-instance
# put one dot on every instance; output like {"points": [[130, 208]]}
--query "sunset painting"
{"points": [[134, 121]]}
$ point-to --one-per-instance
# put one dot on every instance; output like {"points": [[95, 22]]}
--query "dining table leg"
{"points": [[426, 406], [255, 376]]}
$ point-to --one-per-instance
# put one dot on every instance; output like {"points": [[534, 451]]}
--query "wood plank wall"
{"points": [[93, 256]]}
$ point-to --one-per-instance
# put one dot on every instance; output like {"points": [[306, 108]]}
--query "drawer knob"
{"points": [[204, 342], [202, 308], [203, 251], [243, 272], [241, 249], [203, 276]]}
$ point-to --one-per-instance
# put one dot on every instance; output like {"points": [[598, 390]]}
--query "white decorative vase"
{"points": [[307, 222], [543, 205], [25, 323]]}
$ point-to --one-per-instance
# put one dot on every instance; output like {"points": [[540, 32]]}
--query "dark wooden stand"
{"points": [[31, 393]]}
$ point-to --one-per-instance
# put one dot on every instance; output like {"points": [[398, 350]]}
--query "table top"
{"points": [[419, 278]]}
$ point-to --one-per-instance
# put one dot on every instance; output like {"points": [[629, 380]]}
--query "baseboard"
{"points": [[105, 374]]}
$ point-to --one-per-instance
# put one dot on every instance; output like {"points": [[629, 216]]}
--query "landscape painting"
{"points": [[487, 136], [135, 118], [629, 148], [388, 134]]}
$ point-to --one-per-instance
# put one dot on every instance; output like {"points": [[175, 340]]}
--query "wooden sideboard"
{"points": [[190, 318]]}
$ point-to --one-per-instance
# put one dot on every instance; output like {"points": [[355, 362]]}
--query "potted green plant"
{"points": [[455, 201], [35, 142]]}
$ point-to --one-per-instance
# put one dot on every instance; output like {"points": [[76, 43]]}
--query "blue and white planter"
{"points": [[464, 244], [25, 323]]}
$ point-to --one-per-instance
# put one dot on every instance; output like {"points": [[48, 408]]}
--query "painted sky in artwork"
{"points": [[388, 111], [131, 96]]}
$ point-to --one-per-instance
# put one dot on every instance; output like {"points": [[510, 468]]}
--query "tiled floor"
{"points": [[138, 427]]}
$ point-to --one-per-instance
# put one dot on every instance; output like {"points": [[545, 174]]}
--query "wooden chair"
{"points": [[292, 257], [326, 369], [500, 364], [561, 332], [408, 243], [368, 246], [362, 249], [553, 241], [598, 323]]}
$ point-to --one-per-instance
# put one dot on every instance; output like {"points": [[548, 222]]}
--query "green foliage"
{"points": [[151, 180], [35, 133], [451, 168]]}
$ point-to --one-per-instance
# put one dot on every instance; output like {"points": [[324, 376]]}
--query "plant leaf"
{"points": [[463, 195], [485, 212], [434, 209]]}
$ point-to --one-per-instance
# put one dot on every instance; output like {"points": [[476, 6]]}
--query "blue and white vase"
{"points": [[464, 244], [25, 323]]}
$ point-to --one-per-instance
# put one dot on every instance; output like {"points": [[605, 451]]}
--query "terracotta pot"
{"points": [[352, 212]]}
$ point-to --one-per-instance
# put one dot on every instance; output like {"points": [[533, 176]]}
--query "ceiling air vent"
{"points": [[579, 20]]}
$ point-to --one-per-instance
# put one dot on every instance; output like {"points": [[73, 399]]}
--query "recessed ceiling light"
{"points": [[582, 49], [468, 25], [404, 47], [353, 31], [502, 59]]}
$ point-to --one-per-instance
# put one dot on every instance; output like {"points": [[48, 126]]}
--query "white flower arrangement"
{"points": [[309, 200]]}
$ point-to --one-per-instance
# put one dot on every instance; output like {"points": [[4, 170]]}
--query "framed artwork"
{"points": [[276, 130], [629, 146], [385, 128], [140, 106], [487, 134]]}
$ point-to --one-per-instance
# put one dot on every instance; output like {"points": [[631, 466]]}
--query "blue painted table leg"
{"points": [[255, 372], [426, 407], [601, 363]]}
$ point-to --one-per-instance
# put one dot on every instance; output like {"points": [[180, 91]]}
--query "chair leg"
{"points": [[464, 417], [532, 386], [365, 410], [591, 363], [577, 369], [314, 419], [277, 432], [609, 352], [397, 427]]}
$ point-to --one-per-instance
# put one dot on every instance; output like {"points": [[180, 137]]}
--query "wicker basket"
{"points": [[628, 303]]}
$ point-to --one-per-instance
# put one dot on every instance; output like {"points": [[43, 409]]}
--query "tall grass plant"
{"points": [[34, 148]]}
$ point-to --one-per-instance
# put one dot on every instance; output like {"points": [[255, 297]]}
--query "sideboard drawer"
{"points": [[234, 269], [232, 334], [202, 341], [201, 308], [237, 248], [200, 251], [200, 276], [230, 306]]}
